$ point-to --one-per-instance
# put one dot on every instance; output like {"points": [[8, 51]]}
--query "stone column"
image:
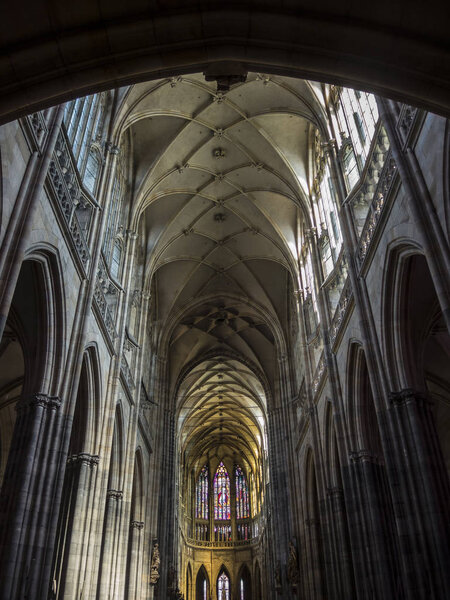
{"points": [[360, 477], [316, 590], [332, 554], [421, 470], [75, 527], [280, 516], [167, 533], [135, 560], [110, 531], [372, 528], [27, 494], [343, 565]]}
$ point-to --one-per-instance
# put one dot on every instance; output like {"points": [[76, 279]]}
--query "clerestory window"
{"points": [[242, 499], [201, 495], [222, 509]]}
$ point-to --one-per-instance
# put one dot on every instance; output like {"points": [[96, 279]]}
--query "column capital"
{"points": [[83, 457], [38, 400], [112, 148], [114, 494], [409, 396], [335, 492], [311, 233], [362, 455]]}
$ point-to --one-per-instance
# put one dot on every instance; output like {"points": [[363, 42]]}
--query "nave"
{"points": [[225, 344]]}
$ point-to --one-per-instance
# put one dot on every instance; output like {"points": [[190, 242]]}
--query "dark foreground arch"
{"points": [[53, 51]]}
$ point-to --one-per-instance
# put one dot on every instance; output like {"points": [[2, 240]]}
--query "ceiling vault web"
{"points": [[222, 184]]}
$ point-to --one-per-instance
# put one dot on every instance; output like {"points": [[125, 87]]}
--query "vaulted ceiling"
{"points": [[221, 185]]}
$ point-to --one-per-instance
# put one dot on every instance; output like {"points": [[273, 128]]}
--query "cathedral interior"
{"points": [[224, 311]]}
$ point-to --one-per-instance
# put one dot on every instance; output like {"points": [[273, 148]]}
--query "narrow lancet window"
{"points": [[242, 502], [201, 495], [222, 509], [223, 587]]}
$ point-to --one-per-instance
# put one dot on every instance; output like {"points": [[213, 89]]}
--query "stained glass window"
{"points": [[222, 509], [243, 531], [201, 495], [223, 587], [222, 533], [242, 503]]}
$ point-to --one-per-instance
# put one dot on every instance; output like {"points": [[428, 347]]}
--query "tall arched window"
{"points": [[201, 585], [223, 586], [222, 509], [201, 495], [116, 259], [242, 501]]}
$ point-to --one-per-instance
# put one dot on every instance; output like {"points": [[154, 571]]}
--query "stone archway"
{"points": [[63, 52]]}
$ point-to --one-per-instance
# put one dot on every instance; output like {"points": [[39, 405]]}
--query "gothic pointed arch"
{"points": [[135, 538], [223, 584], [189, 589], [244, 583], [222, 493], [316, 571], [33, 346], [257, 581], [81, 466], [363, 419], [202, 494], [202, 587]]}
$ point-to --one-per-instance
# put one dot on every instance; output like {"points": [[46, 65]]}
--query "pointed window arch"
{"points": [[245, 585], [242, 500], [201, 494], [223, 586], [222, 510], [202, 585]]}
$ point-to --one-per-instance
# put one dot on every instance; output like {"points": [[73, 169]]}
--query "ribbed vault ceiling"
{"points": [[222, 184], [222, 414]]}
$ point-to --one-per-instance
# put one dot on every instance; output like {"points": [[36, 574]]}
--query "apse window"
{"points": [[222, 509], [223, 587]]}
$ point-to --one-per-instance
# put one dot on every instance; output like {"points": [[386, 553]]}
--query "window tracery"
{"points": [[223, 587], [242, 499], [222, 508], [201, 495]]}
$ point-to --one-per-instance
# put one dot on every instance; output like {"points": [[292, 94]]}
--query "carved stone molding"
{"points": [[311, 234], [318, 374], [126, 373], [384, 187], [114, 494], [83, 458], [104, 310], [363, 455], [112, 148], [409, 396], [335, 492], [39, 400]]}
